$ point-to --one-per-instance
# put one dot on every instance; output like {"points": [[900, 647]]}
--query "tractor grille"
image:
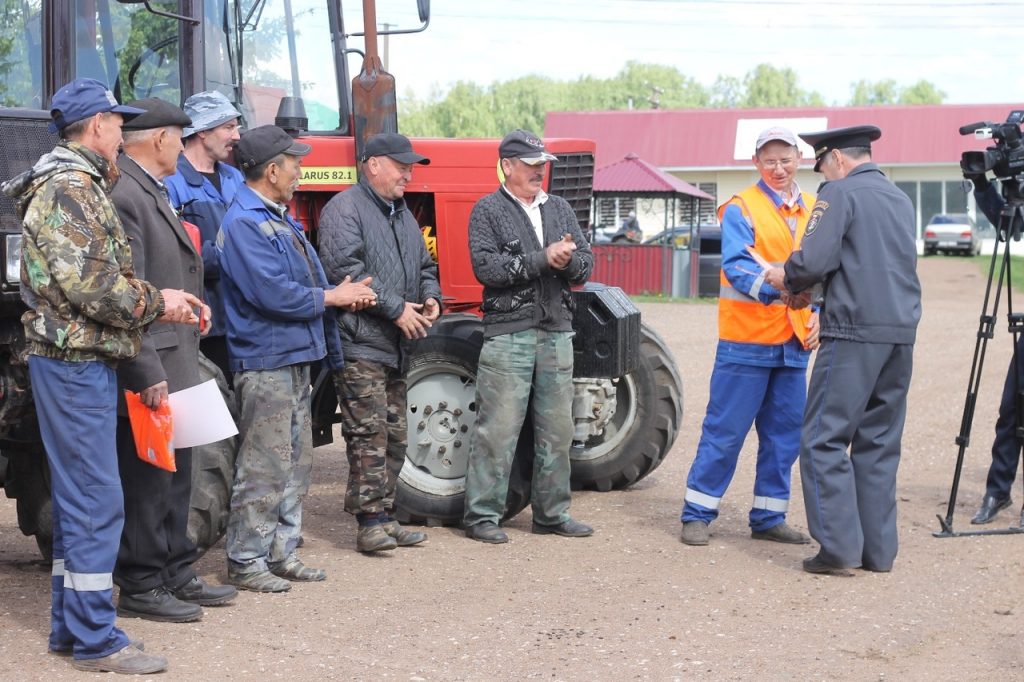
{"points": [[23, 139], [572, 178]]}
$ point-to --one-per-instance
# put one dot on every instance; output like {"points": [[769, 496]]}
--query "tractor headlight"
{"points": [[12, 260]]}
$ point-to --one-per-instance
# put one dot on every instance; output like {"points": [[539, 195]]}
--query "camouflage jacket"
{"points": [[76, 265]]}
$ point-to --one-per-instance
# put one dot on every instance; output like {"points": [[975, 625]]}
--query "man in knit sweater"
{"points": [[527, 250]]}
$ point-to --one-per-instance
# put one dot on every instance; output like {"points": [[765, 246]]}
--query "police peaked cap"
{"points": [[840, 138], [158, 114]]}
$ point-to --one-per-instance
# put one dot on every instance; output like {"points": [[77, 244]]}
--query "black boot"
{"points": [[990, 506], [158, 604]]}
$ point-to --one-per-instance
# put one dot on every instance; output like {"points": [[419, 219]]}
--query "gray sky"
{"points": [[972, 50]]}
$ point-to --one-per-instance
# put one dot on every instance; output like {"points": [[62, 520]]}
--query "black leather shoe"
{"points": [[487, 532], [815, 564], [198, 591], [990, 506], [567, 529], [158, 604]]}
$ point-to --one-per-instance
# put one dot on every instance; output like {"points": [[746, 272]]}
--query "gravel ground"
{"points": [[631, 602]]}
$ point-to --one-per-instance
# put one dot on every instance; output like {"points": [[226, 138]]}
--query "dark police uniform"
{"points": [[860, 244]]}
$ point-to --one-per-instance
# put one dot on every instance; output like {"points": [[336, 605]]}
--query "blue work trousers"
{"points": [[770, 398], [76, 405]]}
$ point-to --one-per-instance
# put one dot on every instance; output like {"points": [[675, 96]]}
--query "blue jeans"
{"points": [[76, 403], [512, 368]]}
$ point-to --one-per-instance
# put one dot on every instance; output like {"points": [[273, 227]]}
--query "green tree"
{"points": [[867, 93], [768, 86], [922, 92]]}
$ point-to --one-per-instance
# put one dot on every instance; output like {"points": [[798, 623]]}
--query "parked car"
{"points": [[710, 239], [678, 236], [613, 235], [951, 233]]}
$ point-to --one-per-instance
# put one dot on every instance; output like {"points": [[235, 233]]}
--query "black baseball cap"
{"points": [[395, 146], [261, 144], [840, 138], [82, 98], [158, 114], [525, 146]]}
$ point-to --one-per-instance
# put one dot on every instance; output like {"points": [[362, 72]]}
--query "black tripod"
{"points": [[1011, 225]]}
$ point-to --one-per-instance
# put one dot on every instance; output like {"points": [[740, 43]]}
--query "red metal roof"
{"points": [[707, 138], [634, 175]]}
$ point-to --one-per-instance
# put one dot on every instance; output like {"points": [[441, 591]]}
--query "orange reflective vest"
{"points": [[747, 320]]}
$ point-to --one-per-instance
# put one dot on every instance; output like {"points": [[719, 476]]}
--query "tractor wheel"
{"points": [[30, 484], [213, 472], [442, 408], [648, 414]]}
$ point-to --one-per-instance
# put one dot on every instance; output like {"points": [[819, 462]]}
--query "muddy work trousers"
{"points": [[275, 462]]}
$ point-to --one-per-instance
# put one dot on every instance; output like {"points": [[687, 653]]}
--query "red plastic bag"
{"points": [[153, 431]]}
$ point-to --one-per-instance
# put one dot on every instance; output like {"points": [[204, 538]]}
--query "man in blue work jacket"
{"points": [[277, 301]]}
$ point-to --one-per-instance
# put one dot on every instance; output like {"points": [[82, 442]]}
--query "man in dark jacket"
{"points": [[154, 564], [368, 231], [527, 250], [860, 243], [279, 307], [1007, 446]]}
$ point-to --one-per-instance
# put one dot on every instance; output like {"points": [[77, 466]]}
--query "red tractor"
{"points": [[286, 62]]}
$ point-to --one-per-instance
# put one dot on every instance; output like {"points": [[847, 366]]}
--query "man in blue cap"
{"points": [[860, 245], [87, 310]]}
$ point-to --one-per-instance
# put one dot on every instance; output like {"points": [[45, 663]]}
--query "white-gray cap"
{"points": [[207, 110], [775, 133]]}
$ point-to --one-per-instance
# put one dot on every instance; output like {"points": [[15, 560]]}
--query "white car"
{"points": [[951, 233]]}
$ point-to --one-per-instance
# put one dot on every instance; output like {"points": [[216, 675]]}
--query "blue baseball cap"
{"points": [[82, 98]]}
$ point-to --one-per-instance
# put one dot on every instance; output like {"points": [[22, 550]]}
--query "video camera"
{"points": [[1005, 158]]}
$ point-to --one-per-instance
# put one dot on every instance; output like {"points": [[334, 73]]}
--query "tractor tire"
{"points": [[30, 485], [213, 473], [648, 415], [441, 382]]}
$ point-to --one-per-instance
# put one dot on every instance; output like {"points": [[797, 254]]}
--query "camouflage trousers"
{"points": [[373, 421], [511, 367], [272, 472]]}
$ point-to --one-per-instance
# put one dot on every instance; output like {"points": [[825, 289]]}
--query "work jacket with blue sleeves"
{"points": [[742, 273], [273, 291], [196, 200]]}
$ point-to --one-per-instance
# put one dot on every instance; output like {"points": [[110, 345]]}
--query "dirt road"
{"points": [[632, 602]]}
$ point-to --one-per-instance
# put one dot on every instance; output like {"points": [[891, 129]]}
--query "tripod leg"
{"points": [[986, 325]]}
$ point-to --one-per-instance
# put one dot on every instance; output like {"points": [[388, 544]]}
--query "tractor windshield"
{"points": [[254, 51], [285, 49]]}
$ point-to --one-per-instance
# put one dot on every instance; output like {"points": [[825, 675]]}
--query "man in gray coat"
{"points": [[860, 244], [154, 563], [369, 231]]}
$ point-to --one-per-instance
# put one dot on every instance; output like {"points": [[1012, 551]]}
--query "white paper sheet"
{"points": [[200, 416]]}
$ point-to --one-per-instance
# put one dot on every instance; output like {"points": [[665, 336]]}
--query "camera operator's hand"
{"points": [[979, 180]]}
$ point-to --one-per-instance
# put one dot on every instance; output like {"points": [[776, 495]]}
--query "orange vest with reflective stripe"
{"points": [[745, 319]]}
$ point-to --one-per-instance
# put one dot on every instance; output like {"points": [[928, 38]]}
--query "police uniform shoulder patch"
{"points": [[816, 213]]}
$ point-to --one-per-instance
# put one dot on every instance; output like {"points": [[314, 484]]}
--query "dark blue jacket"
{"points": [[273, 292], [196, 200]]}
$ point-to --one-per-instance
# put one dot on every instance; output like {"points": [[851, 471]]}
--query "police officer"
{"points": [[860, 245]]}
